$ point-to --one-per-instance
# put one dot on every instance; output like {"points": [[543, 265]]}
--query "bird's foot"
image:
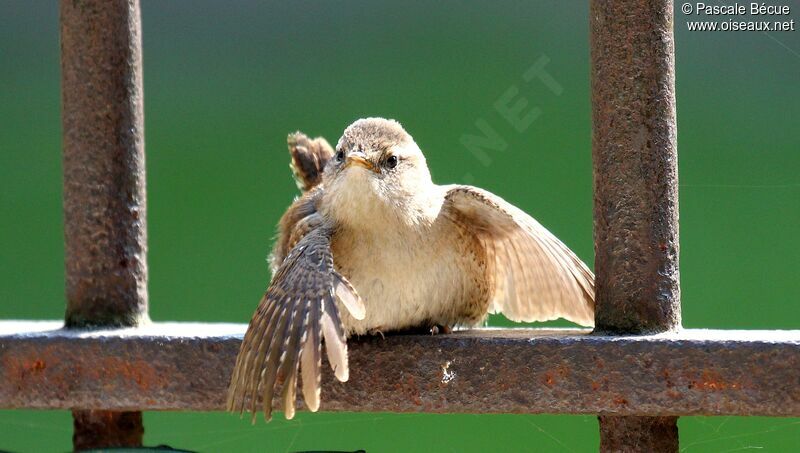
{"points": [[376, 331], [437, 329]]}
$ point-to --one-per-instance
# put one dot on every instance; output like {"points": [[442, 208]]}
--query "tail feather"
{"points": [[309, 157]]}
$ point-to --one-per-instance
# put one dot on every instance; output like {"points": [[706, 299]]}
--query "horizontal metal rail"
{"points": [[186, 366]]}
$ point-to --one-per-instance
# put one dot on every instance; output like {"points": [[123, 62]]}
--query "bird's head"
{"points": [[377, 171]]}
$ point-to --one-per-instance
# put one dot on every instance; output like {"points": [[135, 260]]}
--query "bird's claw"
{"points": [[437, 329], [375, 332]]}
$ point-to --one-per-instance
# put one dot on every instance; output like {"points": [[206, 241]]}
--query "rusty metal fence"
{"points": [[638, 370]]}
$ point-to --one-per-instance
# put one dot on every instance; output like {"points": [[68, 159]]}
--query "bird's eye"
{"points": [[340, 155], [391, 162]]}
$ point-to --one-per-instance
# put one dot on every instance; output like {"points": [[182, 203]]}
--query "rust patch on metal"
{"points": [[38, 365], [139, 372], [712, 381], [667, 378]]}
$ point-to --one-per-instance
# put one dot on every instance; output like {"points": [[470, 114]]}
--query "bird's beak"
{"points": [[360, 159]]}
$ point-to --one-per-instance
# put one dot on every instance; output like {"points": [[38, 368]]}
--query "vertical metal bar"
{"points": [[635, 157], [634, 150], [104, 186], [96, 429]]}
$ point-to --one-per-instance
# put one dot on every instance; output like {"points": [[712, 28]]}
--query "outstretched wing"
{"points": [[286, 332], [536, 276]]}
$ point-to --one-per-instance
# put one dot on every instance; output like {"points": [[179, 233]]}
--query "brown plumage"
{"points": [[373, 245], [309, 157]]}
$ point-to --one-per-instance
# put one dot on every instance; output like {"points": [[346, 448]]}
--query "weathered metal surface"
{"points": [[104, 179], [178, 366], [634, 149], [104, 186], [117, 429], [638, 434], [635, 166]]}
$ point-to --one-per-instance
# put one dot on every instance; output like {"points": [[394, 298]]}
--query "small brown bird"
{"points": [[373, 245]]}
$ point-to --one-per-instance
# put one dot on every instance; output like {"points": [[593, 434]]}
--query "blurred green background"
{"points": [[224, 84]]}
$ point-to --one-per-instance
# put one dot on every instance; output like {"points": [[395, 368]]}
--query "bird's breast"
{"points": [[414, 278]]}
